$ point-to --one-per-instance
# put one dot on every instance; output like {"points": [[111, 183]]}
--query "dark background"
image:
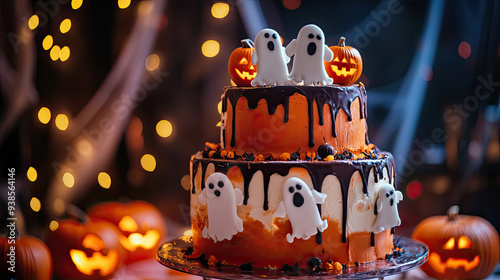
{"points": [[436, 111]]}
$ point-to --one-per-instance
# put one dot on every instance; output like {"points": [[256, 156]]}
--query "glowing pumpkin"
{"points": [[346, 66], [460, 246], [30, 260], [141, 224], [88, 250], [240, 67]]}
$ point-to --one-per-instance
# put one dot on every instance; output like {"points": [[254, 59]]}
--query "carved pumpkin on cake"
{"points": [[460, 246], [240, 67], [346, 66]]}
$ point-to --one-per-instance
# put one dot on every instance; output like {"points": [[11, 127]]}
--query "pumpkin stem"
{"points": [[342, 42], [452, 213], [78, 213], [247, 43]]}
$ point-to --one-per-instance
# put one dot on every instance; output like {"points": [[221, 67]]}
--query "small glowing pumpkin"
{"points": [[142, 226], [346, 66], [460, 246], [240, 67], [85, 250]]}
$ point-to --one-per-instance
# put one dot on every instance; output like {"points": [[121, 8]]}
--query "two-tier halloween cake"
{"points": [[294, 176]]}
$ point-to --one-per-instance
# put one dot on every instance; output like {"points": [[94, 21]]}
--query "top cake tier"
{"points": [[286, 119]]}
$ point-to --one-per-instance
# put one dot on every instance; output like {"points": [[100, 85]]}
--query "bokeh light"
{"points": [[104, 180], [186, 182], [65, 25], [414, 189], [152, 62], [47, 42], [164, 128], [464, 50], [76, 4], [59, 205], [54, 225], [44, 115], [62, 122], [220, 10], [33, 22], [68, 179], [148, 162], [35, 204], [54, 52], [123, 4], [210, 48], [64, 53], [32, 174], [291, 4]]}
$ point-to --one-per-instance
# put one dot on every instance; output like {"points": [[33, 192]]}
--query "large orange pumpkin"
{"points": [[240, 67], [460, 246], [141, 224], [85, 250], [346, 66], [30, 259]]}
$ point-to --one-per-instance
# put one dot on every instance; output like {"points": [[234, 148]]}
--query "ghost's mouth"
{"points": [[270, 45], [311, 48], [298, 199], [217, 193]]}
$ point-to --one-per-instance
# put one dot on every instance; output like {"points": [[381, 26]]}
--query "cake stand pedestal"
{"points": [[415, 253]]}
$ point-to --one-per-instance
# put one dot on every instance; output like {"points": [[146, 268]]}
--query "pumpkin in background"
{"points": [[141, 224], [32, 259], [460, 246], [85, 250], [240, 67], [346, 66]]}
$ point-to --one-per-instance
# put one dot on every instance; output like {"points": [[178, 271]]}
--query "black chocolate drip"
{"points": [[372, 239], [342, 169], [336, 97]]}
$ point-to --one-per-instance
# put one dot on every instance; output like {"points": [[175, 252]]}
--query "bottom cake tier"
{"points": [[272, 213]]}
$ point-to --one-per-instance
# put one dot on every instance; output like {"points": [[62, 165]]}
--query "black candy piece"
{"points": [[325, 150], [315, 264]]}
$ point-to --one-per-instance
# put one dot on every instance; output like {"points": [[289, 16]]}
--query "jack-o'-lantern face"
{"points": [[141, 225], [240, 67], [132, 239], [460, 247], [245, 69], [101, 259], [85, 250], [456, 253], [346, 66]]}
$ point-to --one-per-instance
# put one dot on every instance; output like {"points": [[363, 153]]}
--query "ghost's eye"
{"points": [[266, 35], [311, 35], [387, 194], [220, 184], [291, 189], [211, 186], [298, 186], [318, 37], [391, 192], [275, 36]]}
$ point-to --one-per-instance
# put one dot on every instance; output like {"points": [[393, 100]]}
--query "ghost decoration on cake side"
{"points": [[271, 60], [310, 53], [387, 209], [300, 204], [222, 200]]}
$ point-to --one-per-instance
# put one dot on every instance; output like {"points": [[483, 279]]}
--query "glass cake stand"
{"points": [[171, 255]]}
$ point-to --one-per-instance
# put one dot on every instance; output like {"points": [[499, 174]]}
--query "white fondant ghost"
{"points": [[299, 203], [310, 50], [221, 199], [271, 60], [387, 208]]}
